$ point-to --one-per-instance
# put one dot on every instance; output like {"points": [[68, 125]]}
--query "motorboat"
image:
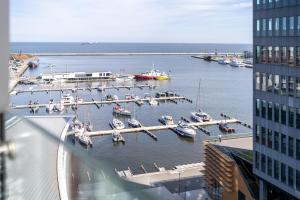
{"points": [[200, 116], [150, 75], [223, 126], [117, 137], [134, 123], [109, 97], [115, 97], [121, 111], [153, 102], [59, 107], [163, 76], [237, 63], [167, 120], [34, 108], [85, 140], [67, 99], [117, 124], [101, 89], [138, 100], [184, 130], [223, 61], [89, 126], [50, 106]]}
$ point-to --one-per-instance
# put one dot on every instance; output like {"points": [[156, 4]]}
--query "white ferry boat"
{"points": [[77, 76]]}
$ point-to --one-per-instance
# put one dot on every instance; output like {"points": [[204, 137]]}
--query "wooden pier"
{"points": [[100, 102], [74, 89], [157, 128]]}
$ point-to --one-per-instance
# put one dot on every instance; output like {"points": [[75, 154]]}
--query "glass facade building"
{"points": [[276, 97]]}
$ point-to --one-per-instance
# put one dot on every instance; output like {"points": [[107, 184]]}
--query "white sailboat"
{"points": [[133, 122]]}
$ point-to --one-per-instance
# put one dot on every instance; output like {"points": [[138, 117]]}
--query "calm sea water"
{"points": [[223, 89]]}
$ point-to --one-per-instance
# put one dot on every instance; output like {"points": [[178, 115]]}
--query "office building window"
{"points": [[270, 27], [276, 141], [291, 116], [276, 169], [264, 52], [270, 111], [298, 180], [298, 56], [264, 27], [269, 166], [297, 87], [269, 82], [283, 144], [257, 53], [283, 55], [292, 25], [257, 27], [298, 118], [291, 56], [277, 26], [276, 55], [283, 114], [270, 136], [290, 176], [270, 54], [283, 173], [298, 25], [291, 147], [284, 26], [257, 135], [276, 84], [258, 83], [257, 2], [256, 160], [257, 110], [283, 85], [264, 82], [263, 163], [263, 109], [297, 149], [291, 86], [263, 135], [276, 112]]}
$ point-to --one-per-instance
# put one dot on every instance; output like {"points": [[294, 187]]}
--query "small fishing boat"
{"points": [[166, 120], [50, 106], [121, 111], [117, 137], [117, 124], [184, 130], [223, 126], [153, 102]]}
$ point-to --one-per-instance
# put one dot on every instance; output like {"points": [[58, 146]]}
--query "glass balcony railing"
{"points": [[46, 163]]}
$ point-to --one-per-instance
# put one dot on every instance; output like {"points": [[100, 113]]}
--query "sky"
{"points": [[164, 21]]}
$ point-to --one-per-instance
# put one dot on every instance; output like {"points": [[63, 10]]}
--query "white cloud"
{"points": [[130, 20]]}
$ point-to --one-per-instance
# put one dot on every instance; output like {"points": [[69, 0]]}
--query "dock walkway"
{"points": [[157, 128]]}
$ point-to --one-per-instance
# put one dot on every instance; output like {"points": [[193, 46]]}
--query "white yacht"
{"points": [[121, 111], [139, 101], [223, 61], [117, 124], [85, 140], [134, 123], [67, 99], [153, 102], [50, 106], [200, 116], [237, 63], [115, 97], [184, 130], [117, 137], [167, 120]]}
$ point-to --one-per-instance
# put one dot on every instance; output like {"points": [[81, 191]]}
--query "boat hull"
{"points": [[143, 77]]}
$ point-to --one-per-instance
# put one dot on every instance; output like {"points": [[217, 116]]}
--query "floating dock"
{"points": [[158, 127], [74, 89], [101, 102]]}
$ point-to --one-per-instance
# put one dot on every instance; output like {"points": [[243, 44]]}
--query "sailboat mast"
{"points": [[198, 95]]}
